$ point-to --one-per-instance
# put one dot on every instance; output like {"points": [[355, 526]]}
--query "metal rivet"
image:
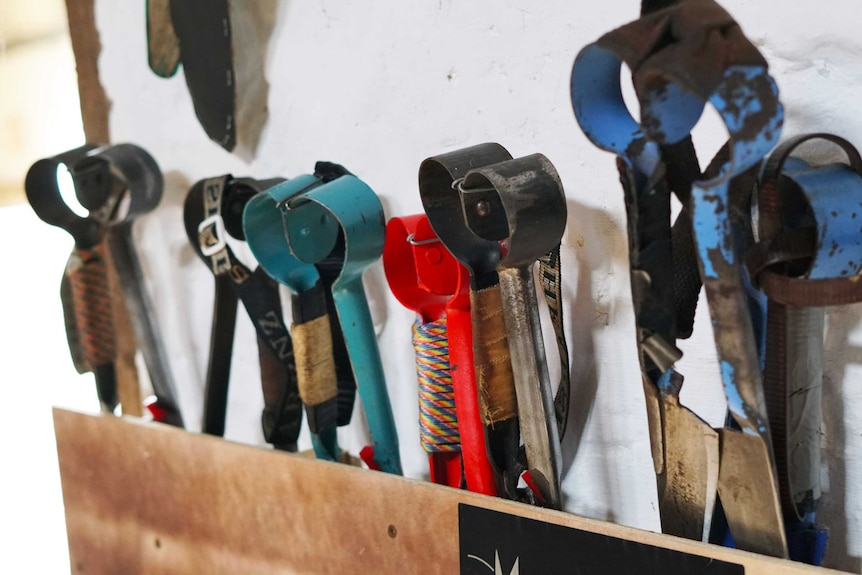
{"points": [[433, 256]]}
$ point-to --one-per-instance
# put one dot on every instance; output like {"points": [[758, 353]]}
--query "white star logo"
{"points": [[497, 569]]}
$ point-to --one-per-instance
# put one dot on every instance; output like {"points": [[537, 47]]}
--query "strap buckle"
{"points": [[211, 235]]}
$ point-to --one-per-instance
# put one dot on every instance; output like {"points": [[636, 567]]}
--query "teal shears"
{"points": [[299, 223]]}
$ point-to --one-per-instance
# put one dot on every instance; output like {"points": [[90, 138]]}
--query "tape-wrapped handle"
{"points": [[494, 378], [316, 376]]}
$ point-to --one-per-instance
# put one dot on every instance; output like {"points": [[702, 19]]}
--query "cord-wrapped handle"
{"points": [[91, 301]]}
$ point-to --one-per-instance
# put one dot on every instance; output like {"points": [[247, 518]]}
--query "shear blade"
{"points": [[687, 490], [749, 494]]}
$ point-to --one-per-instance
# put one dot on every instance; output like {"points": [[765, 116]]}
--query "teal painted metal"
{"points": [[264, 228], [313, 220], [263, 224]]}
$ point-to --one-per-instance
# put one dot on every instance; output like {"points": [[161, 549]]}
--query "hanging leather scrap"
{"points": [[163, 46], [201, 31]]}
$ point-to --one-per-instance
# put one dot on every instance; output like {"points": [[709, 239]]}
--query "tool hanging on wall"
{"points": [[427, 279], [521, 204], [327, 396], [445, 203], [320, 211], [116, 184], [492, 365], [685, 448], [213, 209], [808, 255], [265, 223], [118, 175], [681, 58]]}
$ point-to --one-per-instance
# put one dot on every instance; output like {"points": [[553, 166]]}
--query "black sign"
{"points": [[494, 543]]}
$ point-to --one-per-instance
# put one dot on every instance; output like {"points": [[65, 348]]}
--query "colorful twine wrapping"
{"points": [[91, 299], [438, 421]]}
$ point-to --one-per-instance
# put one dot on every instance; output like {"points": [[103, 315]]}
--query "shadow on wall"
{"points": [[172, 252], [834, 512], [252, 23], [588, 313]]}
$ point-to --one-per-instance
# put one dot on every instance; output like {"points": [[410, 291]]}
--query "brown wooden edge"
{"points": [[87, 47], [95, 108], [148, 498]]}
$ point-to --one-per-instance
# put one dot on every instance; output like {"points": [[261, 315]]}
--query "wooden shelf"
{"points": [[148, 498]]}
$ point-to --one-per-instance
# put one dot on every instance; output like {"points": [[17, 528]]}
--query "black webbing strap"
{"points": [[213, 209], [552, 284], [329, 269], [650, 6], [681, 170]]}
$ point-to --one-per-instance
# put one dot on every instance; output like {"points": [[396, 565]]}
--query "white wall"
{"points": [[39, 115], [379, 86]]}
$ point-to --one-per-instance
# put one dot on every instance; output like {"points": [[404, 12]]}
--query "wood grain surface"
{"points": [[148, 498]]}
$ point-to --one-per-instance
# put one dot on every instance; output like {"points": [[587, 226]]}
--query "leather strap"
{"points": [[794, 263], [118, 184], [552, 287], [204, 31], [779, 246]]}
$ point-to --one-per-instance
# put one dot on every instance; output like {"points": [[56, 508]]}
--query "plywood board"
{"points": [[147, 498]]}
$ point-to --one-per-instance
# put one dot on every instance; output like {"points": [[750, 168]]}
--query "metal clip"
{"points": [[211, 235]]}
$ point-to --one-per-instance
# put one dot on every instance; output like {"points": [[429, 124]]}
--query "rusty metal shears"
{"points": [[681, 58]]}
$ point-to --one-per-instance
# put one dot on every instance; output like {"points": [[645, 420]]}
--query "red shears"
{"points": [[427, 279]]}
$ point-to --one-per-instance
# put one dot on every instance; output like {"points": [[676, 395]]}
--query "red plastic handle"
{"points": [[427, 279]]}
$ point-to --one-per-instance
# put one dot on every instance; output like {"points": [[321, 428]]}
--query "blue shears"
{"points": [[682, 58]]}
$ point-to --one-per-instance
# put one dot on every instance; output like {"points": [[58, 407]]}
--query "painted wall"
{"points": [[381, 86]]}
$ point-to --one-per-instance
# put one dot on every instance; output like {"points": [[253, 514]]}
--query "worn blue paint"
{"points": [[834, 193], [711, 227], [736, 404], [676, 110], [737, 101], [602, 114], [665, 382]]}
